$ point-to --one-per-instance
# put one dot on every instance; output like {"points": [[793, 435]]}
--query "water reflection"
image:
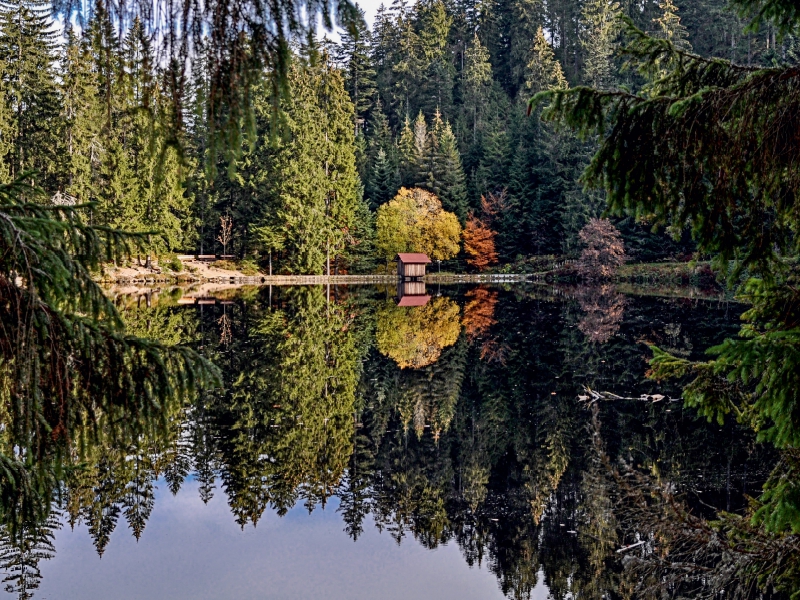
{"points": [[457, 420]]}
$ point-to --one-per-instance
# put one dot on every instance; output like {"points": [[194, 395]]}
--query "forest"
{"points": [[434, 97], [486, 134]]}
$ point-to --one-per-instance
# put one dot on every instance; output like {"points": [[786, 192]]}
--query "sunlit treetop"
{"points": [[240, 41]]}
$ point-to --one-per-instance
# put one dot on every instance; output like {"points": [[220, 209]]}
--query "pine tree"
{"points": [[27, 49], [22, 551], [436, 90], [427, 153], [359, 73], [82, 116], [449, 176], [406, 148], [670, 27], [543, 71], [540, 175], [383, 181], [476, 83], [421, 139], [306, 184], [601, 29]]}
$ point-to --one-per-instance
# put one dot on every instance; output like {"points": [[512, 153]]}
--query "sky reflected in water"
{"points": [[197, 551]]}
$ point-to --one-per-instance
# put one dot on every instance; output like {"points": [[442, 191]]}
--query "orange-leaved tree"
{"points": [[479, 243]]}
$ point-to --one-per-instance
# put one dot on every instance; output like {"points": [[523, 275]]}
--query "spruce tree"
{"points": [[27, 50], [539, 177], [306, 184], [359, 74], [476, 81], [427, 153], [406, 149], [420, 138], [449, 176], [82, 117], [543, 71], [601, 29], [383, 181], [669, 26], [377, 179], [436, 89]]}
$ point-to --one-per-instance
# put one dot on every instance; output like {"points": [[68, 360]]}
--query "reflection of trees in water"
{"points": [[21, 551], [479, 312], [501, 454], [604, 309], [426, 397], [518, 473], [283, 430], [415, 336]]}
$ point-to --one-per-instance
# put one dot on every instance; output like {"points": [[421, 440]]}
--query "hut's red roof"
{"points": [[414, 257], [413, 301]]}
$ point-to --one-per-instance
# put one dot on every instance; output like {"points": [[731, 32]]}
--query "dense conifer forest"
{"points": [[434, 96], [486, 134]]}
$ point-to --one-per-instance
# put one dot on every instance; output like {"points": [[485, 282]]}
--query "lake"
{"points": [[470, 442]]}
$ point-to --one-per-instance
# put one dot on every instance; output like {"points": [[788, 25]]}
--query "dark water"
{"points": [[363, 450]]}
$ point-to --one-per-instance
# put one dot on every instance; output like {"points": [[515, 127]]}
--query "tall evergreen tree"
{"points": [[82, 116], [353, 53], [599, 40], [437, 79], [669, 26], [383, 181], [308, 182], [476, 81], [406, 149], [449, 175], [27, 52]]}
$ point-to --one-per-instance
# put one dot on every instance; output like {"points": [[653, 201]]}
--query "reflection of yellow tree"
{"points": [[414, 337]]}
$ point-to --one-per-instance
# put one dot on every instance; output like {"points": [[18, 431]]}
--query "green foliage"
{"points": [[53, 309], [30, 91], [654, 159]]}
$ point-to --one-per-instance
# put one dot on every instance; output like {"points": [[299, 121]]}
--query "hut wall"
{"points": [[411, 269]]}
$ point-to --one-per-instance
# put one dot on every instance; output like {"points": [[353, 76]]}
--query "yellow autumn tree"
{"points": [[414, 221], [414, 337]]}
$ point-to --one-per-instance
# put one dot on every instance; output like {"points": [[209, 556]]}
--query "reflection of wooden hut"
{"points": [[411, 265], [411, 293]]}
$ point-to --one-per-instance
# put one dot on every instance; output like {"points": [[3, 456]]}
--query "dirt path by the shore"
{"points": [[193, 270]]}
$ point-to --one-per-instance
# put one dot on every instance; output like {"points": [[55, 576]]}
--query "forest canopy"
{"points": [[296, 142]]}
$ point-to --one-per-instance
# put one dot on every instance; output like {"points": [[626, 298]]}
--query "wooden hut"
{"points": [[411, 265]]}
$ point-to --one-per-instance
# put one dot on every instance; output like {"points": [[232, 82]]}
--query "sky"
{"points": [[370, 8]]}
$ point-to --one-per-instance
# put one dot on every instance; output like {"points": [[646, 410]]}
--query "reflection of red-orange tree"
{"points": [[479, 312], [604, 308]]}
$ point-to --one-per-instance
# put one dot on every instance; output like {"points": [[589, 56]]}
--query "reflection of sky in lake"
{"points": [[190, 550]]}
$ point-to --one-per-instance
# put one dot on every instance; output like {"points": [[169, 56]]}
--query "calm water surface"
{"points": [[360, 449]]}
